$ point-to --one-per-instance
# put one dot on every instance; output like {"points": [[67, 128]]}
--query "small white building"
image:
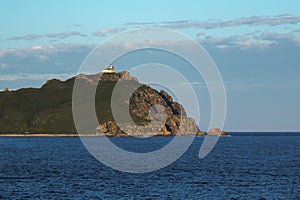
{"points": [[109, 70]]}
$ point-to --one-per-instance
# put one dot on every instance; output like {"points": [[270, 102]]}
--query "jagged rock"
{"points": [[168, 113]]}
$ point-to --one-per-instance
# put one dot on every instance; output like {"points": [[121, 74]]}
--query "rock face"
{"points": [[217, 132], [147, 104], [49, 109], [186, 126]]}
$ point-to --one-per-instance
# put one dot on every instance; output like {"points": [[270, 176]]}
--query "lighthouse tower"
{"points": [[109, 70]]}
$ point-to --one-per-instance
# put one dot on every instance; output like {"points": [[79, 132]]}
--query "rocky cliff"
{"points": [[49, 109]]}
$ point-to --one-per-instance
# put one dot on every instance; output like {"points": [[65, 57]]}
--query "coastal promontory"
{"points": [[48, 110]]}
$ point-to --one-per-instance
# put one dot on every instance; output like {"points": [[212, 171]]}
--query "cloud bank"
{"points": [[276, 20], [61, 35]]}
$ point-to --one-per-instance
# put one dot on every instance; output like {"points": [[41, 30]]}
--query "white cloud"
{"points": [[58, 63], [202, 84], [4, 66], [62, 35], [8, 78], [222, 46], [4, 52], [256, 39], [30, 77], [108, 31], [37, 47], [259, 44], [29, 37]]}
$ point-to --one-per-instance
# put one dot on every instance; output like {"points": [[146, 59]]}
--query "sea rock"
{"points": [[217, 132], [200, 133]]}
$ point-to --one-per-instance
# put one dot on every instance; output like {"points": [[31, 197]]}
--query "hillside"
{"points": [[49, 109]]}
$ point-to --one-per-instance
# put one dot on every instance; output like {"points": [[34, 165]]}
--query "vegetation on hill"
{"points": [[49, 109]]}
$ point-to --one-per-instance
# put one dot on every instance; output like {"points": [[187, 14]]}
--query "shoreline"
{"points": [[73, 135], [47, 135], [283, 133], [101, 135]]}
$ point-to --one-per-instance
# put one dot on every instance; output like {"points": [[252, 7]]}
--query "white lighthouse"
{"points": [[109, 70]]}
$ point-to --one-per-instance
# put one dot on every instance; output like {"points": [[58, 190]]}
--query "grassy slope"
{"points": [[48, 109]]}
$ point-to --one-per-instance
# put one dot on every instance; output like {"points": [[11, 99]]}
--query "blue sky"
{"points": [[255, 45]]}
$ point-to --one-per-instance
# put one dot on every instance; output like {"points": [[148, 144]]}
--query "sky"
{"points": [[254, 44]]}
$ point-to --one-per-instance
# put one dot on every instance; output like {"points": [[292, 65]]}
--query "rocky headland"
{"points": [[48, 110]]}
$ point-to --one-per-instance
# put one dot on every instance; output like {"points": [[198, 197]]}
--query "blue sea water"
{"points": [[239, 167]]}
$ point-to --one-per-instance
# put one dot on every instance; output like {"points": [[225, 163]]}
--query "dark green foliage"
{"points": [[49, 108], [44, 110]]}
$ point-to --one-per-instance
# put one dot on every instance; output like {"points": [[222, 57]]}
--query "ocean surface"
{"points": [[239, 167]]}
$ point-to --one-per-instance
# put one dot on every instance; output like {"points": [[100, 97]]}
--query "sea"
{"points": [[243, 166]]}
